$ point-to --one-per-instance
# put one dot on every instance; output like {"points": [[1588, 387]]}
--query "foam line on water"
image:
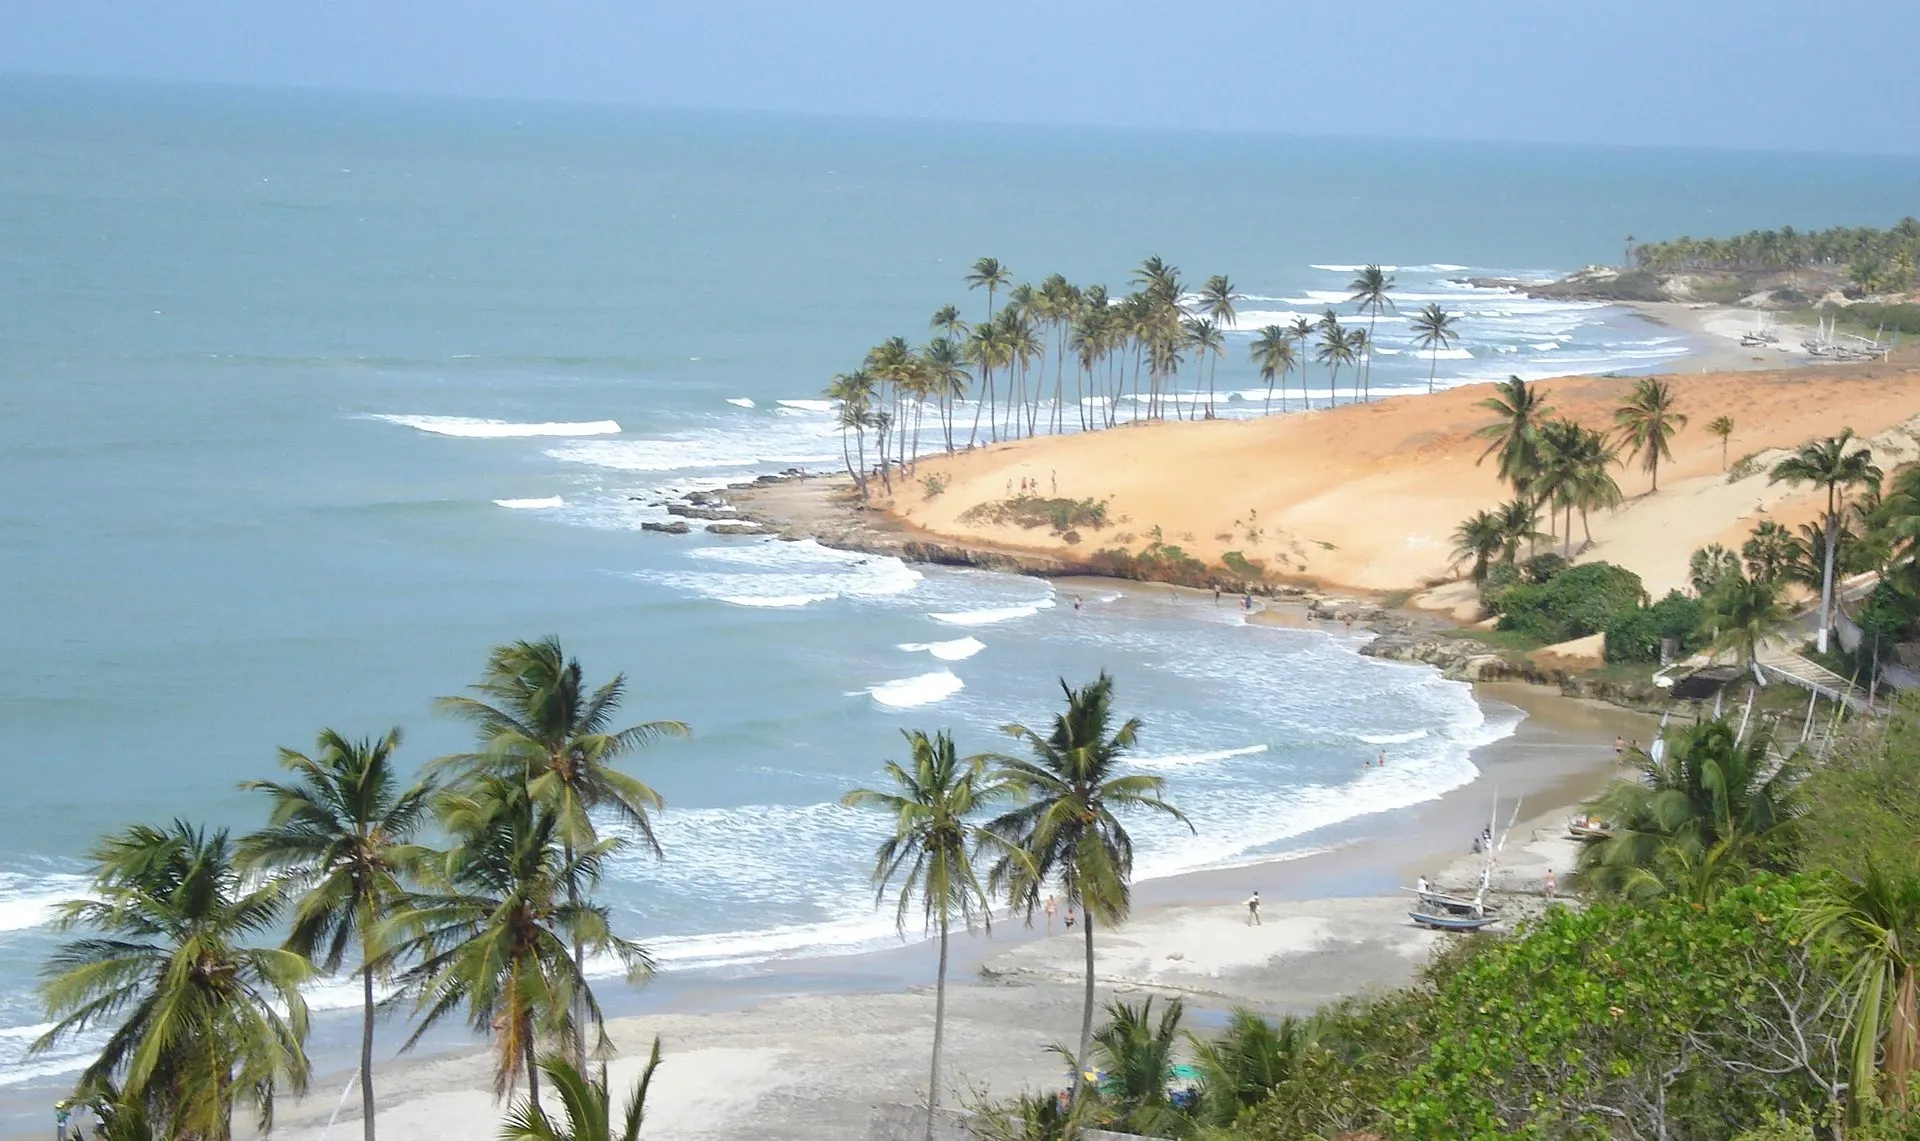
{"points": [[740, 401], [475, 428], [1186, 760], [992, 615], [913, 692], [1392, 738], [958, 650], [30, 901], [549, 501]]}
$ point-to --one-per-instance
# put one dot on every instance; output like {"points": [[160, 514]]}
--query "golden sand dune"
{"points": [[1367, 496]]}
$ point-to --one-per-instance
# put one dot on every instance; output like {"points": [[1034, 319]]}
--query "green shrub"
{"points": [[1245, 568], [933, 484], [1747, 465], [1030, 511], [1574, 605], [1544, 568], [1501, 577], [1889, 614], [1871, 316], [1634, 635]]}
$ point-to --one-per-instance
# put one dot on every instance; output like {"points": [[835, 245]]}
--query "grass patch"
{"points": [[1028, 512], [1396, 599], [1512, 640]]}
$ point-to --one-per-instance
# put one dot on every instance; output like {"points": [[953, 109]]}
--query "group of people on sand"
{"points": [[1031, 486], [1053, 908]]}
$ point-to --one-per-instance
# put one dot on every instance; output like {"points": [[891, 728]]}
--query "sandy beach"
{"points": [[814, 1066]]}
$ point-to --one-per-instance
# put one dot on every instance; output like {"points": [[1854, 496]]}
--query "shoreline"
{"points": [[807, 1048]]}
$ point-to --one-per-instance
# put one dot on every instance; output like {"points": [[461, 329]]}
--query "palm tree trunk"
{"points": [[579, 971], [366, 1046], [939, 1028], [1826, 583], [1370, 320], [1086, 1013], [533, 1065], [1903, 1035], [1433, 366]]}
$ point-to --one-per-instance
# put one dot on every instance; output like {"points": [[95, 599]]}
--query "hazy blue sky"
{"points": [[1746, 73]]}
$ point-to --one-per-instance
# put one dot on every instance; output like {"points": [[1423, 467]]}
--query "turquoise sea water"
{"points": [[306, 400]]}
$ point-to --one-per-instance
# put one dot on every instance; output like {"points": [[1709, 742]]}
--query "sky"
{"points": [[1759, 74]]}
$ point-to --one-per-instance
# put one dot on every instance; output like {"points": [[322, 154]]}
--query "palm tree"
{"points": [[341, 837], [1739, 613], [931, 853], [1519, 523], [1647, 422], [1069, 826], [1433, 331], [1208, 346], [1771, 552], [500, 931], [1876, 921], [1243, 1065], [1370, 293], [1711, 786], [1515, 435], [535, 722], [990, 274], [1334, 351], [1359, 346], [985, 350], [1135, 1050], [198, 1019], [588, 1104], [854, 390], [1480, 537], [1302, 331], [946, 374], [1828, 463], [1273, 352], [1722, 426], [1590, 484]]}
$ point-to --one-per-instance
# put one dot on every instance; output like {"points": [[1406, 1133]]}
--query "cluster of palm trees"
{"points": [[494, 923], [1119, 351], [1559, 465], [1896, 249], [970, 833]]}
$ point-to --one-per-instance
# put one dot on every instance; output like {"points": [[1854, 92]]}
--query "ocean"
{"points": [[306, 400]]}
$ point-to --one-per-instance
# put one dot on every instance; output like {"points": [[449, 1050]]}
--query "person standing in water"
{"points": [[1253, 910], [1069, 917], [1053, 908]]}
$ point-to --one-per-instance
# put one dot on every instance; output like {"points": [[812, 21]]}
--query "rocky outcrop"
{"points": [[697, 511], [1467, 660], [736, 529], [670, 527]]}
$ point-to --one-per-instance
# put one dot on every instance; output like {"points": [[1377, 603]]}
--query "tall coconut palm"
{"points": [[535, 721], [947, 376], [340, 839], [1740, 613], [1875, 921], [989, 274], [1334, 351], [854, 390], [1515, 433], [588, 1104], [1479, 538], [1722, 426], [1359, 347], [985, 350], [1648, 423], [1302, 332], [1709, 786], [1136, 1051], [930, 853], [1272, 350], [197, 1019], [1590, 485], [1068, 828], [1215, 305], [1832, 463], [1370, 294], [499, 931], [1771, 552], [1433, 330], [1208, 347]]}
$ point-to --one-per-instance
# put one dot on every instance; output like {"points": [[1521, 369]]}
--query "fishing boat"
{"points": [[1587, 830], [1443, 912], [1452, 922]]}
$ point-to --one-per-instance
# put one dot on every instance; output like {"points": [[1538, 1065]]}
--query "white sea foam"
{"points": [[740, 401], [712, 450], [807, 405], [478, 429], [776, 574], [30, 901], [1185, 760], [1544, 346], [530, 504], [912, 692], [1354, 268], [1392, 738], [992, 615], [958, 650]]}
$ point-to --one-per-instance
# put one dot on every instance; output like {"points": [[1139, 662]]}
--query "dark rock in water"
{"points": [[736, 529], [705, 498], [686, 511], [670, 527]]}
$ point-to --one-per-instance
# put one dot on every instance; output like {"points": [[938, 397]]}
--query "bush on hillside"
{"points": [[1634, 635], [1544, 568], [1575, 604]]}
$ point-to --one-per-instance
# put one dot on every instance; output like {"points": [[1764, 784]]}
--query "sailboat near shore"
{"points": [[1441, 911]]}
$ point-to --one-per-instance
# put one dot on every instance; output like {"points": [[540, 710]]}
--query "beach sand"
{"points": [[814, 1066], [1366, 496]]}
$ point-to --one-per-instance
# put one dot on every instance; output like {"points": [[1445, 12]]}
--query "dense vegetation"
{"points": [[1742, 970], [1875, 260]]}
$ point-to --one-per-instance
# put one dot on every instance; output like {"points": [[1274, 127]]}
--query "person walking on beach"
{"points": [[1069, 918], [1076, 602], [1553, 885], [1619, 747], [1253, 910], [1053, 908], [1216, 596]]}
